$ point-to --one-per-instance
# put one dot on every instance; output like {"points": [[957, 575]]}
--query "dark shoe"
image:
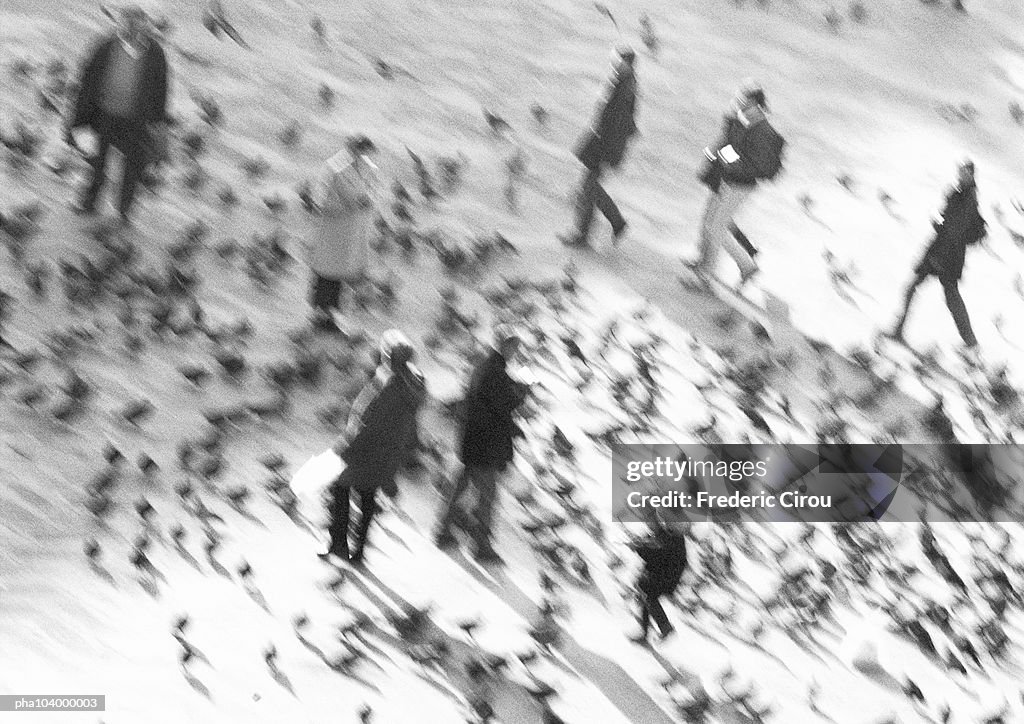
{"points": [[84, 209], [325, 323], [640, 638], [744, 278], [356, 559], [619, 234], [896, 335], [445, 540], [670, 631], [488, 555]]}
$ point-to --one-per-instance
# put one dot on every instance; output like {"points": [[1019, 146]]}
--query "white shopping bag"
{"points": [[310, 487]]}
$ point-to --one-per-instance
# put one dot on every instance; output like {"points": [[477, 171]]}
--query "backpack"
{"points": [[775, 144]]}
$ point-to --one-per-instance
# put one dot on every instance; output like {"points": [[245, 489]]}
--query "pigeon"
{"points": [[92, 550], [196, 374], [540, 114], [137, 411], [215, 21], [144, 509], [244, 570], [147, 465], [290, 135], [496, 123], [316, 24], [647, 34]]}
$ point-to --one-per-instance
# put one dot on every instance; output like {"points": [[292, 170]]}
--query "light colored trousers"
{"points": [[715, 233]]}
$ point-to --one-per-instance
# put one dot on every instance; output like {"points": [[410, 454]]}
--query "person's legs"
{"points": [[98, 163], [908, 298], [367, 511], [340, 511], [731, 200], [958, 309], [707, 255], [609, 209], [657, 612], [452, 509], [132, 144], [325, 296], [485, 480], [585, 202]]}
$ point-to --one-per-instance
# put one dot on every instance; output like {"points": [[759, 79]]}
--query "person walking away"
{"points": [[960, 226], [664, 561], [122, 97], [749, 151], [487, 433], [384, 440], [604, 146], [339, 247]]}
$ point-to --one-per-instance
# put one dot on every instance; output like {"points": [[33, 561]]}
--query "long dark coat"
{"points": [[961, 226], [487, 425], [387, 434], [664, 557], [152, 101], [605, 143]]}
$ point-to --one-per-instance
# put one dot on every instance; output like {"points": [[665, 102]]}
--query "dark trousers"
{"points": [[128, 137], [326, 294], [340, 514], [485, 480], [592, 195], [650, 607], [954, 302]]}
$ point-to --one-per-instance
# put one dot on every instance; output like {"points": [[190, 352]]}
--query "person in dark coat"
{"points": [[604, 146], [961, 226], [749, 151], [487, 434], [664, 557], [385, 437], [122, 97]]}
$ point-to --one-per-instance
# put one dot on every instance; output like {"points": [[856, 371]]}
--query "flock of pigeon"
{"points": [[130, 335]]}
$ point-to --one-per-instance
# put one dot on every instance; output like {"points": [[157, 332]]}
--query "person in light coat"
{"points": [[345, 222]]}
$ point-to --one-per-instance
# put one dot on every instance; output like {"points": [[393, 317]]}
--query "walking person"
{"points": [[339, 247], [122, 97], [960, 226], [383, 441], [664, 557], [487, 434], [749, 151], [603, 147]]}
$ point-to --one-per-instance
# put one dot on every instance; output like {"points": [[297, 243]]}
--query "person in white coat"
{"points": [[345, 221]]}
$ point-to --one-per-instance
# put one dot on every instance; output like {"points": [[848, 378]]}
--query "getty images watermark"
{"points": [[817, 483]]}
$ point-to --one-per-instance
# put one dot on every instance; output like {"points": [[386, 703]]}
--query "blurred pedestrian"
{"points": [[748, 152], [339, 247], [604, 146], [960, 226], [486, 447], [664, 561], [122, 97], [385, 438]]}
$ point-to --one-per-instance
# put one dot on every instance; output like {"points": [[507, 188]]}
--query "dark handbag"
{"points": [[588, 151]]}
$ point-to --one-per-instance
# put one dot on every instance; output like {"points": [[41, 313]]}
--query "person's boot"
{"points": [[445, 539], [485, 553], [619, 234]]}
